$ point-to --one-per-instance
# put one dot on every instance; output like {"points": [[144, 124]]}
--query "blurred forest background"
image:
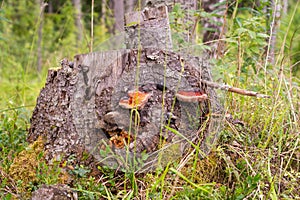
{"points": [[260, 52]]}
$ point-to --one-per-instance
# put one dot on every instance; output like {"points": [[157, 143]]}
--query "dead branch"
{"points": [[234, 89]]}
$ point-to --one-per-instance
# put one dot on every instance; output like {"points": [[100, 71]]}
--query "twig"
{"points": [[234, 89]]}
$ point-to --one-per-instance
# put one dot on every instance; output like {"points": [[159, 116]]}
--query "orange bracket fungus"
{"points": [[191, 96], [137, 99]]}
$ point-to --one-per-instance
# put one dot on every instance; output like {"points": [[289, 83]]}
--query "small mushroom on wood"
{"points": [[191, 96], [137, 99]]}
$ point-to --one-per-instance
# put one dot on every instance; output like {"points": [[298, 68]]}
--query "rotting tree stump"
{"points": [[134, 109], [81, 107]]}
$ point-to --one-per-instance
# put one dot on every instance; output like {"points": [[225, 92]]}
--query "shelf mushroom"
{"points": [[191, 96], [137, 99]]}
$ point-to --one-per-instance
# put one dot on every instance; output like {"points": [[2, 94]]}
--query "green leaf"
{"points": [[8, 197], [252, 34], [205, 14], [176, 7], [238, 21], [3, 18], [80, 171], [262, 35], [251, 10], [240, 31], [220, 3], [132, 24], [210, 29], [145, 156]]}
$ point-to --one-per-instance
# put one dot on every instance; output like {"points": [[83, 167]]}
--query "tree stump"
{"points": [[133, 109], [54, 192]]}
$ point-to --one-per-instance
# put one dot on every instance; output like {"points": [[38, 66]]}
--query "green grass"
{"points": [[258, 159]]}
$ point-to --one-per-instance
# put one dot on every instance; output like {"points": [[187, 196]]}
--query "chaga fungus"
{"points": [[137, 99], [191, 96]]}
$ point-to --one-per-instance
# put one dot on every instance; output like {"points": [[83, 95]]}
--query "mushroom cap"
{"points": [[191, 96], [137, 99]]}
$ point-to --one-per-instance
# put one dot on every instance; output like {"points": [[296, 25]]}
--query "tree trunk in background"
{"points": [[276, 8], [214, 27], [129, 5], [50, 6], [78, 21], [118, 9], [40, 35], [103, 11], [285, 5]]}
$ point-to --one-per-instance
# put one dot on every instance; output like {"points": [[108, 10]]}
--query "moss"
{"points": [[207, 170], [64, 177], [169, 154], [25, 165]]}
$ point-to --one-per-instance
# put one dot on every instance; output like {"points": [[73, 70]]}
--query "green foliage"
{"points": [[80, 171], [247, 40], [59, 31], [13, 130], [292, 44], [179, 26], [246, 187], [207, 192], [20, 31], [1, 26]]}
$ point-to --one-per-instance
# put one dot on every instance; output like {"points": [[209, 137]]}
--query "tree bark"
{"points": [[275, 23], [78, 21], [118, 10], [50, 6], [285, 5], [129, 5], [40, 35], [214, 27], [154, 29], [103, 11], [272, 12]]}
